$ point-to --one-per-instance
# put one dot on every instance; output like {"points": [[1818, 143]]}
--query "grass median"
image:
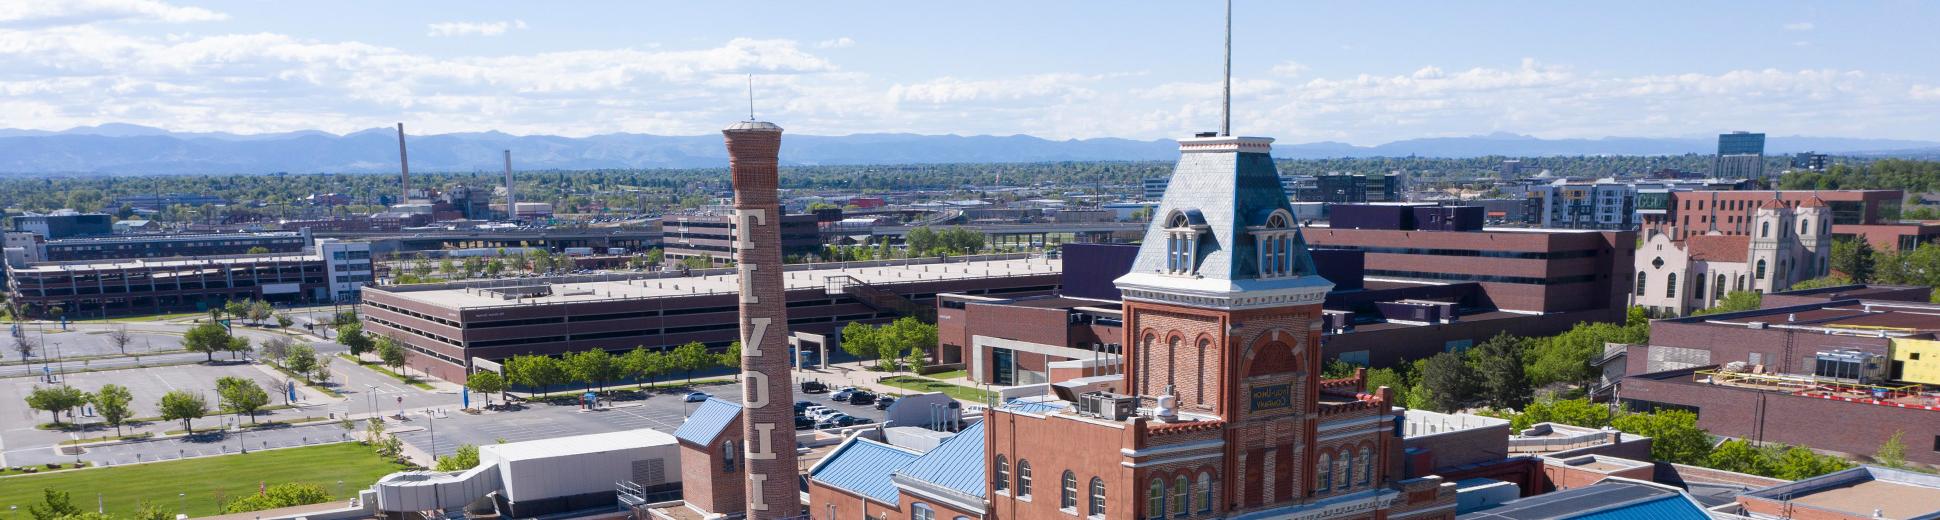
{"points": [[201, 485]]}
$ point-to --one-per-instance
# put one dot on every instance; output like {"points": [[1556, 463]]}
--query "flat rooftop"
{"points": [[173, 238], [1859, 491], [189, 261], [591, 288], [1893, 318]]}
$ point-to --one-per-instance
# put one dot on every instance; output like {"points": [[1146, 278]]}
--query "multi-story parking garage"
{"points": [[446, 326]]}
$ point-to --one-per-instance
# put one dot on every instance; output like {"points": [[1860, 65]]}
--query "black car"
{"points": [[802, 406], [814, 387], [862, 420], [804, 423], [860, 398], [883, 402]]}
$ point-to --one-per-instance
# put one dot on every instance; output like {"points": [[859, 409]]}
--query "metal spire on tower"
{"points": [[750, 96], [1226, 98]]}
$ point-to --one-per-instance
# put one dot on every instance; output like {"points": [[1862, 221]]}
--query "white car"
{"points": [[821, 412]]}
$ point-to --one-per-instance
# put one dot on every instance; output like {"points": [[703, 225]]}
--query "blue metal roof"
{"points": [[1036, 405], [863, 467], [1668, 507], [707, 421], [956, 464]]}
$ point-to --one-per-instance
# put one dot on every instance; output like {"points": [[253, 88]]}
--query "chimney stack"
{"points": [[404, 165], [767, 412], [511, 199]]}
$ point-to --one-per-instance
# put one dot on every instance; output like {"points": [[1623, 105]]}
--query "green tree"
{"points": [[302, 360], [54, 505], [1396, 378], [260, 310], [236, 308], [1674, 434], [486, 384], [1798, 462], [592, 367], [241, 396], [690, 357], [914, 361], [258, 250], [1892, 453], [1574, 412], [277, 350], [207, 338], [352, 335], [1734, 301], [181, 405], [146, 510], [1566, 357], [920, 241], [731, 359], [278, 496], [1449, 382], [112, 403], [1833, 280], [641, 364], [391, 353], [1853, 257], [1498, 369], [465, 458], [656, 257], [1740, 456], [861, 340], [535, 372], [56, 399]]}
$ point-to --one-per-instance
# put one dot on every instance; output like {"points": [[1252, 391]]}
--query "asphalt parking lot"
{"points": [[662, 411]]}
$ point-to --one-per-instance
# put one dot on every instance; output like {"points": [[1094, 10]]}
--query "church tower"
{"points": [[1771, 246]]}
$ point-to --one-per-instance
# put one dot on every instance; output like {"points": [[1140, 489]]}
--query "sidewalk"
{"points": [[857, 374]]}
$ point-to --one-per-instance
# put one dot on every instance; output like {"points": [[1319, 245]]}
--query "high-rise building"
{"points": [[1740, 155], [1351, 189], [767, 407]]}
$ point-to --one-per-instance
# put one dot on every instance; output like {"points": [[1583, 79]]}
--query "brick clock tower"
{"points": [[1223, 309], [767, 413]]}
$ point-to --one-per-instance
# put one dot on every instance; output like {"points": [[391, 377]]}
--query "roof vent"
{"points": [[1755, 325]]}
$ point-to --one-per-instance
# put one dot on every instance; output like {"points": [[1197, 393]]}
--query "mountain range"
{"points": [[123, 149]]}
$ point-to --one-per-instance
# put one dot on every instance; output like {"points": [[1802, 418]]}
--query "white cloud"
{"points": [[74, 12], [59, 76], [474, 28], [1289, 69], [1799, 26], [837, 43]]}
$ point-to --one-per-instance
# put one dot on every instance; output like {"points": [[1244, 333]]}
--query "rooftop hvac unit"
{"points": [[1755, 325], [1106, 405]]}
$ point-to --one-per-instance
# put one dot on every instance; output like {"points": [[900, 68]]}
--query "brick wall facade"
{"points": [[707, 481]]}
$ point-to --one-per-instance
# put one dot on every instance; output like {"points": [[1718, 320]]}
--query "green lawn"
{"points": [[205, 481], [924, 384], [948, 374]]}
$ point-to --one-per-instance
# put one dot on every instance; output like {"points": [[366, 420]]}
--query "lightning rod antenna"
{"points": [[751, 97], [1226, 98]]}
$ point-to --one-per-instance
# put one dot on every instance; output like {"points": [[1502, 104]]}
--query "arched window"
{"points": [[1717, 291], [1760, 274], [1199, 392], [1764, 230], [921, 511], [1205, 492], [1155, 500], [1023, 478], [1172, 347], [1367, 466], [1324, 473], [1642, 279], [1068, 491], [727, 456], [1347, 469], [1805, 226], [1697, 286], [1181, 496], [1002, 481], [1097, 496], [1670, 286]]}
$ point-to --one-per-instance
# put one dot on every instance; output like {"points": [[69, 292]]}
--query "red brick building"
{"points": [[1220, 411]]}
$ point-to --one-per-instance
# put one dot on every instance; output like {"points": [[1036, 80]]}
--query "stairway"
{"points": [[880, 299]]}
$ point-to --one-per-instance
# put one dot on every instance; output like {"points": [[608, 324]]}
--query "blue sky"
{"points": [[1358, 72]]}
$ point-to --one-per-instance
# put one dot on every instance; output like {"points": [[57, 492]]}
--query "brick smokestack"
{"points": [[403, 165], [767, 414]]}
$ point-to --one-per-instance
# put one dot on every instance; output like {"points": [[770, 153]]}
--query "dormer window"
{"points": [[1182, 232], [1274, 244]]}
